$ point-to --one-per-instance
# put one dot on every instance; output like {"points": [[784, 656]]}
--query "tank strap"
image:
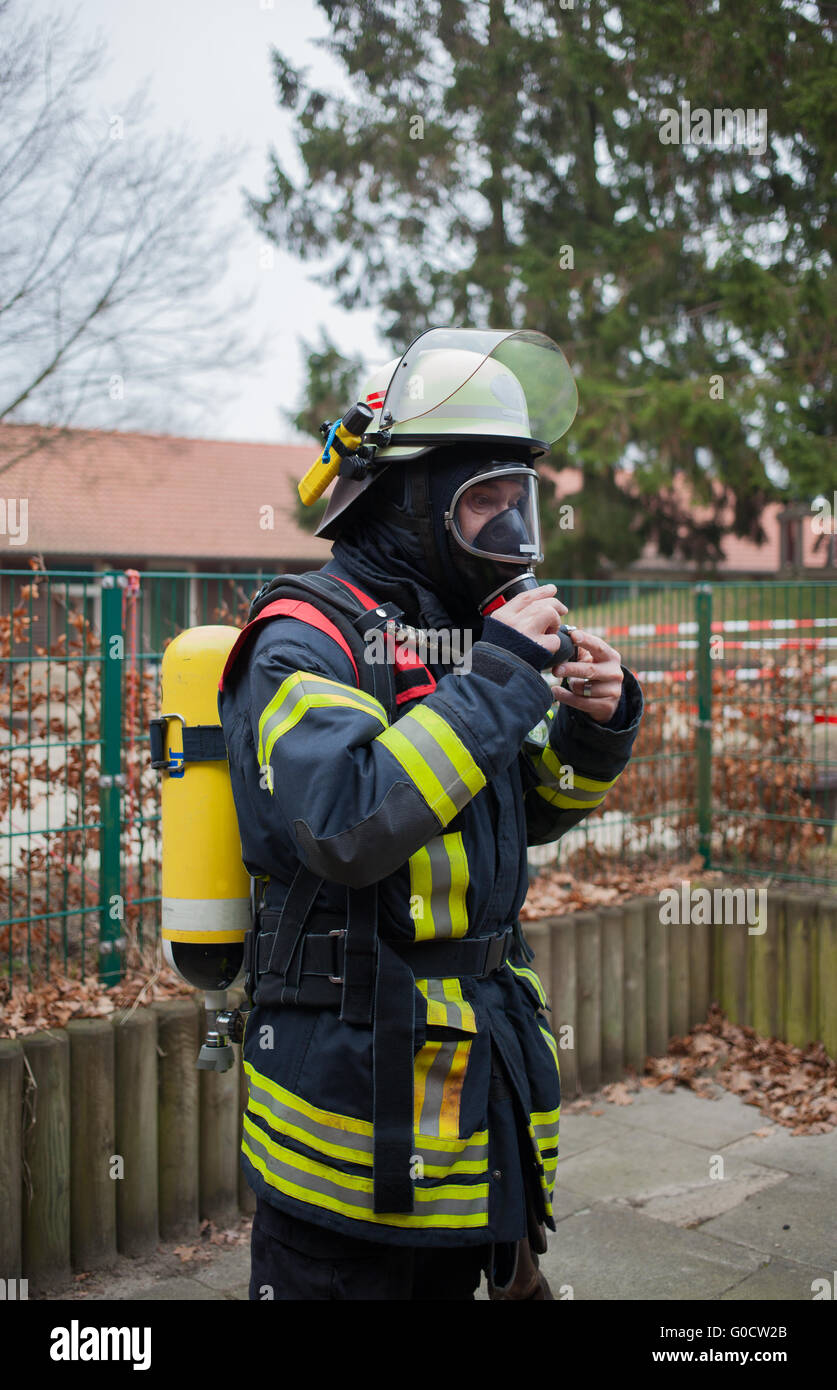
{"points": [[202, 743]]}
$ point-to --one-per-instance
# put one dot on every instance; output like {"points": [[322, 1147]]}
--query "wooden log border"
{"points": [[110, 1139]]}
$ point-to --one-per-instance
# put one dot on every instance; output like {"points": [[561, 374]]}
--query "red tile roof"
{"points": [[96, 493], [739, 554]]}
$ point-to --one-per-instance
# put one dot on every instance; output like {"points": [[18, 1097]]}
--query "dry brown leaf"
{"points": [[618, 1094]]}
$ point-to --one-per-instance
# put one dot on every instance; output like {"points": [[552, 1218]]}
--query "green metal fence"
{"points": [[736, 760]]}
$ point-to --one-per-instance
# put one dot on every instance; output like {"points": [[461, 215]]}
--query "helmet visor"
{"points": [[495, 515], [483, 381]]}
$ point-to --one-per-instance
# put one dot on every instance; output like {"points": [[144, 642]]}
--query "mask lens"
{"points": [[496, 516]]}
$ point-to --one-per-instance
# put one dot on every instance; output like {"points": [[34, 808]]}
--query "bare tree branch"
{"points": [[110, 247]]}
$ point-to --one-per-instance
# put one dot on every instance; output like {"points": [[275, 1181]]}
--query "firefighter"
{"points": [[401, 1131]]}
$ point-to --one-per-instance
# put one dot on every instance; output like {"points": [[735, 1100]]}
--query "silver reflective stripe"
{"points": [[206, 914], [466, 412], [437, 760], [453, 1010], [440, 880], [354, 1147], [434, 1088], [342, 1192]]}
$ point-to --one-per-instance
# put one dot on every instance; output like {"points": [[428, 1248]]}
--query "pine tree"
{"points": [[507, 164]]}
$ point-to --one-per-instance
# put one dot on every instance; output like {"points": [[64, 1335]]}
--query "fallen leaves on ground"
{"points": [[795, 1087], [52, 1003], [237, 1234], [187, 1253], [553, 892]]}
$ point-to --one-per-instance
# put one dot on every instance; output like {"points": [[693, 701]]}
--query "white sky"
{"points": [[207, 67]]}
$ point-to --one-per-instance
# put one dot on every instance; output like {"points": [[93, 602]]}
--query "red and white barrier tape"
{"points": [[725, 625]]}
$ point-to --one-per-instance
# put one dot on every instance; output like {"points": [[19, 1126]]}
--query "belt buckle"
{"points": [[337, 979], [497, 952]]}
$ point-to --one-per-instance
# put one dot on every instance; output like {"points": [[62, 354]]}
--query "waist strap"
{"points": [[322, 953]]}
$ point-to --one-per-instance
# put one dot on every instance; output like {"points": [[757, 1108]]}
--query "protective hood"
{"points": [[399, 545]]}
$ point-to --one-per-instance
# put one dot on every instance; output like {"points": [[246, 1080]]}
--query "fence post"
{"points": [[703, 736], [111, 781]]}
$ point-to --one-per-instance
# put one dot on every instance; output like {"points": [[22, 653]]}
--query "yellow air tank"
{"points": [[206, 888]]}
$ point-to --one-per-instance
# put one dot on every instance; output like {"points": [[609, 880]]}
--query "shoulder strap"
{"points": [[337, 610]]}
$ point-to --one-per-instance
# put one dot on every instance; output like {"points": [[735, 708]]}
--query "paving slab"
{"points": [[229, 1269], [566, 1203], [642, 1166], [615, 1252], [684, 1115], [182, 1289], [779, 1281], [809, 1155], [806, 1206], [584, 1131], [690, 1206]]}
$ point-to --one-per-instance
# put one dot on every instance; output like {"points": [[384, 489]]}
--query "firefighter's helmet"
{"points": [[506, 390]]}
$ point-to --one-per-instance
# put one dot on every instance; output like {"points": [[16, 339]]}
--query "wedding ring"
{"points": [[587, 688]]}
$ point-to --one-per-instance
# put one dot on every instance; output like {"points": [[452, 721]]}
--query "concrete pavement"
{"points": [[670, 1197]]}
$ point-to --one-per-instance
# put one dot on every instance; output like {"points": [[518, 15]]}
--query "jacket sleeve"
{"points": [[359, 795], [569, 763]]}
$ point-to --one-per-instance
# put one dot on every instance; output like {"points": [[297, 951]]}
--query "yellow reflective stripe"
{"points": [[421, 894], [449, 1205], [298, 694], [526, 974], [546, 1117], [312, 1112], [438, 888], [565, 800], [551, 1043], [452, 991], [459, 879], [436, 761], [588, 784], [423, 1062], [439, 1070], [452, 1091], [546, 1170], [439, 1014], [452, 744], [347, 1125], [325, 1146], [281, 1125]]}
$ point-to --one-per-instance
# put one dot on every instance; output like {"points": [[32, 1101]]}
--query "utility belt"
{"points": [[318, 982]]}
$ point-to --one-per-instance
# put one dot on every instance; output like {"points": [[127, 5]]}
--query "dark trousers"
{"points": [[293, 1259]]}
